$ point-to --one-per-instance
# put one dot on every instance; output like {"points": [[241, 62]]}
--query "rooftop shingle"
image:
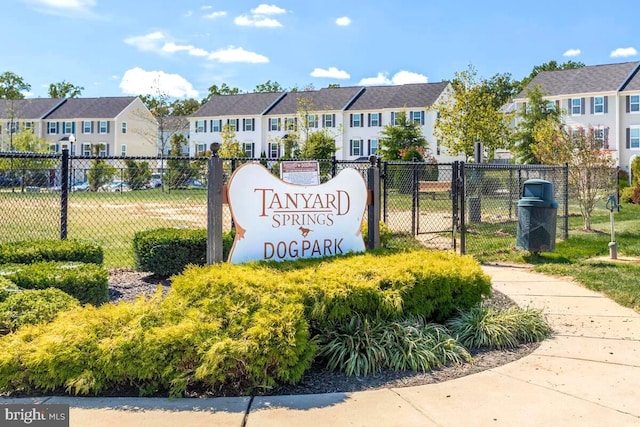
{"points": [[27, 109], [326, 99], [416, 95], [91, 108], [246, 104]]}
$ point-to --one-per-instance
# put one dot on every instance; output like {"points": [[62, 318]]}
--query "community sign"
{"points": [[276, 220]]}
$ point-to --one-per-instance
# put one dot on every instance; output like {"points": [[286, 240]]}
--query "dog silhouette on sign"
{"points": [[304, 231]]}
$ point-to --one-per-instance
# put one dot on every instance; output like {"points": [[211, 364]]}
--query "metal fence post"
{"points": [[373, 226], [64, 193], [461, 201], [566, 202], [415, 194], [334, 164], [214, 206], [385, 180]]}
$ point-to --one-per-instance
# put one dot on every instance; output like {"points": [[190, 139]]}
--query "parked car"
{"points": [[10, 180], [155, 181], [193, 183], [80, 186], [115, 186]]}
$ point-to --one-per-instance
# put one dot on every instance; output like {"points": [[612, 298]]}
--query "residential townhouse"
{"points": [[353, 116], [120, 126], [604, 97]]}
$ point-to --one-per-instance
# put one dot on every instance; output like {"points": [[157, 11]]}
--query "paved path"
{"points": [[588, 374]]}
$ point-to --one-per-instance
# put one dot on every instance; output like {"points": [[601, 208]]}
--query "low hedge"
{"points": [[50, 250], [7, 287], [33, 306], [86, 282], [230, 327], [167, 251]]}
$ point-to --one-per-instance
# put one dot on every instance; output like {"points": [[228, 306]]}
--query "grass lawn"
{"points": [[585, 255]]}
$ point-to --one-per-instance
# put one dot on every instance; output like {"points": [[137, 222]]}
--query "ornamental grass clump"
{"points": [[486, 327]]}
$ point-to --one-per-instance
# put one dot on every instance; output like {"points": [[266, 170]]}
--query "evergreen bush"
{"points": [[167, 251], [7, 287], [32, 307], [86, 282], [50, 250]]}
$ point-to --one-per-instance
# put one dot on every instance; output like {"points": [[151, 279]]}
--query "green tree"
{"points": [[179, 170], [33, 171], [100, 172], [405, 136], [184, 107], [469, 113], [137, 174], [591, 169], [12, 88], [64, 89], [535, 111], [223, 89], [269, 86], [319, 145], [230, 146]]}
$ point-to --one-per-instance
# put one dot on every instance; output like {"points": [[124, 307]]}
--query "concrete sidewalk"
{"points": [[588, 374]]}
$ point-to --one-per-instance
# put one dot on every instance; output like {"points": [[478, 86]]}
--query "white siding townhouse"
{"points": [[605, 97], [355, 116], [122, 126]]}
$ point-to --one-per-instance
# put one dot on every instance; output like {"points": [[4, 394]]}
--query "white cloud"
{"points": [[623, 52], [81, 8], [256, 21], [237, 54], [216, 14], [148, 43], [137, 81], [399, 78], [343, 21], [332, 73], [572, 52], [268, 9], [191, 50]]}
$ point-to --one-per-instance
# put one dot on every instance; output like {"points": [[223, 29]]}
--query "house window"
{"points": [[52, 127], [417, 117], [355, 147], [634, 103], [598, 104], [328, 120], [54, 148], [373, 146], [248, 125], [123, 127], [395, 119], [274, 150], [356, 120], [290, 123], [438, 149], [233, 124], [576, 107], [201, 149], [103, 126], [634, 137], [86, 149], [28, 126], [551, 106], [103, 149], [375, 120], [123, 150], [247, 147], [274, 124], [312, 121], [67, 127], [216, 125], [599, 135], [87, 126], [200, 127]]}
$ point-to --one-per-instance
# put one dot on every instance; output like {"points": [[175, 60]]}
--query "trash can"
{"points": [[537, 214]]}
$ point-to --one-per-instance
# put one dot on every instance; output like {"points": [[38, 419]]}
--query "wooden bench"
{"points": [[433, 187]]}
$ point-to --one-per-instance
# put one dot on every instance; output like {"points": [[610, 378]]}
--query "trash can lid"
{"points": [[537, 202]]}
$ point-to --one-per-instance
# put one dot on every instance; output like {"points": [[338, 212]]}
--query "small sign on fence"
{"points": [[306, 172]]}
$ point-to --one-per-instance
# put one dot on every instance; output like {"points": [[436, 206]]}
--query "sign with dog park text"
{"points": [[276, 220]]}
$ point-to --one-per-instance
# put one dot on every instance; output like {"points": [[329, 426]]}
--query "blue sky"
{"points": [[182, 47]]}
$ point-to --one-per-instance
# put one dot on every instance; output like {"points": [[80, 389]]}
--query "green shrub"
{"points": [[86, 282], [167, 251], [385, 233], [32, 307], [363, 346], [626, 195], [7, 287], [486, 327], [50, 250], [235, 336]]}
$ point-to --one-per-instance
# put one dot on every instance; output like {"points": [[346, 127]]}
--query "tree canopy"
{"points": [[223, 89], [269, 86], [64, 89], [12, 86], [402, 140], [470, 113]]}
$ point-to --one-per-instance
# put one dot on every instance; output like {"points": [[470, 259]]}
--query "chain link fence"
{"points": [[108, 199]]}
